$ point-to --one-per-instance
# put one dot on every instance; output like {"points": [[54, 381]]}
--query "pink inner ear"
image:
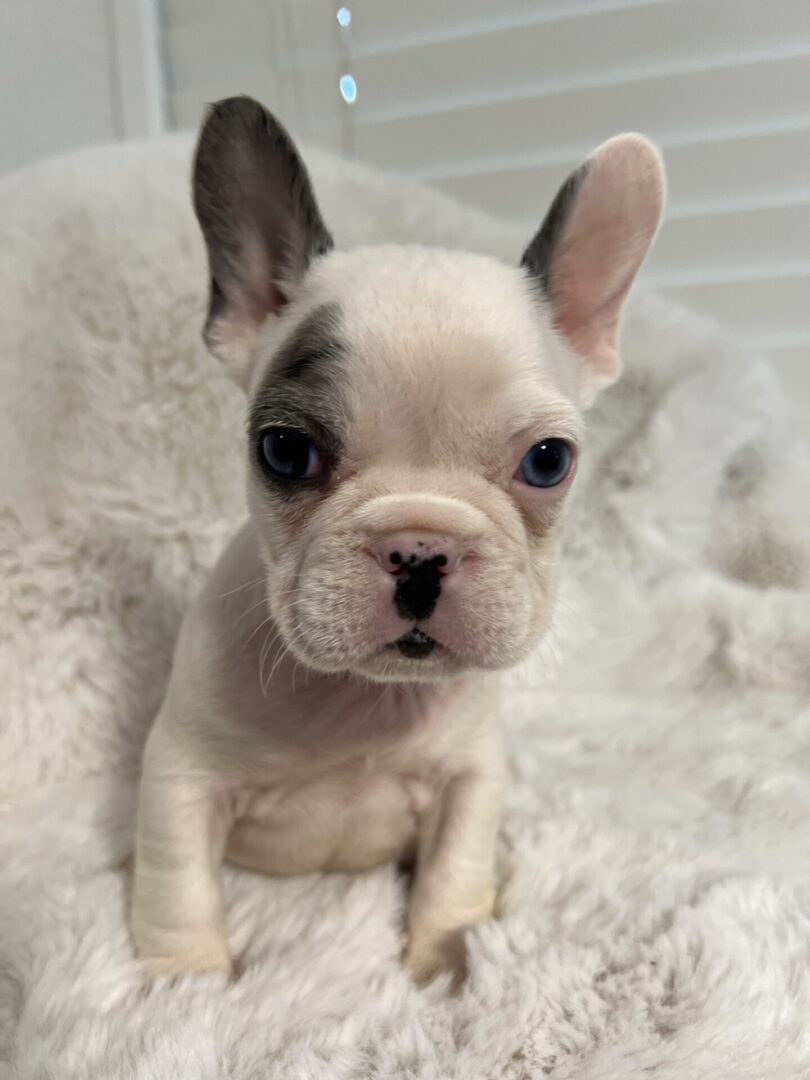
{"points": [[608, 233], [275, 299], [257, 293]]}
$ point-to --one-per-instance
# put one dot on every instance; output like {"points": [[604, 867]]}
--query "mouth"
{"points": [[416, 645]]}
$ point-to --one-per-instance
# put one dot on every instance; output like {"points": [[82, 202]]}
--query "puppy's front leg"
{"points": [[177, 912], [454, 886]]}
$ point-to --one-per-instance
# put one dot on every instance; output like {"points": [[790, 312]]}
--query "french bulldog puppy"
{"points": [[414, 420]]}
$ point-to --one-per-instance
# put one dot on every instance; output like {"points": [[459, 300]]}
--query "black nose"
{"points": [[418, 586]]}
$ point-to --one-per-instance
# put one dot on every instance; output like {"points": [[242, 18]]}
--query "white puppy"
{"points": [[414, 420]]}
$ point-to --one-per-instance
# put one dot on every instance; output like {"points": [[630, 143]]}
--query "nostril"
{"points": [[394, 563]]}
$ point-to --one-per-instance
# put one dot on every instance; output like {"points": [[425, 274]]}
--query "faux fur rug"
{"points": [[655, 850]]}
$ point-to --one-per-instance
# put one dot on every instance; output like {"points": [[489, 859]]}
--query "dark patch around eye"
{"points": [[305, 388], [313, 349]]}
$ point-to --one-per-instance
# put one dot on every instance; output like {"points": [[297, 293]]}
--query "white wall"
{"points": [[56, 78]]}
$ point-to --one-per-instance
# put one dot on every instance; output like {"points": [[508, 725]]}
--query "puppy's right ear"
{"points": [[261, 224]]}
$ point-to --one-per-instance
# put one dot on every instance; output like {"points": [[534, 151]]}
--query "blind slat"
{"points": [[668, 107], [380, 25], [764, 168], [759, 310], [732, 245], [536, 59]]}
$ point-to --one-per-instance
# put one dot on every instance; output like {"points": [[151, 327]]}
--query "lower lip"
{"points": [[414, 647]]}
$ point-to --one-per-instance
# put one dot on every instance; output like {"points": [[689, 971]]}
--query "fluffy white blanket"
{"points": [[655, 850]]}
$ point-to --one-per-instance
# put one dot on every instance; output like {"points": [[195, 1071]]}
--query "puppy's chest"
{"points": [[395, 770], [364, 785], [351, 818]]}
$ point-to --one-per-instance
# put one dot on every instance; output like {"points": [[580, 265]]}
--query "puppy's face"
{"points": [[414, 414], [412, 441]]}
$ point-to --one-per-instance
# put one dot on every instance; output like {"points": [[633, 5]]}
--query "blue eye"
{"points": [[290, 454], [547, 464]]}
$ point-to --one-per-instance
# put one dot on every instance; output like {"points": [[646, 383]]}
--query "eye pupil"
{"points": [[289, 454], [546, 464]]}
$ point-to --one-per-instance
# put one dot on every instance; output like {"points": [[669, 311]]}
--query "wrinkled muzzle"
{"points": [[411, 586]]}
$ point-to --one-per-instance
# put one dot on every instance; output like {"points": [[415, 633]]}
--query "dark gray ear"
{"points": [[262, 226]]}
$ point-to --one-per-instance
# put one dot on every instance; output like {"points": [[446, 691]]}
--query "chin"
{"points": [[414, 657], [392, 664], [389, 665]]}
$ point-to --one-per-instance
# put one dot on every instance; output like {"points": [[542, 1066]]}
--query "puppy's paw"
{"points": [[191, 954], [156, 967], [427, 957]]}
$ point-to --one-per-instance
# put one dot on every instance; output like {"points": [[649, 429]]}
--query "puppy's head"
{"points": [[414, 414]]}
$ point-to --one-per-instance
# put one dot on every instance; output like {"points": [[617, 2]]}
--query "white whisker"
{"points": [[239, 588], [256, 629]]}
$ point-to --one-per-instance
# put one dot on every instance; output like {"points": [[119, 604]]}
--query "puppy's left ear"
{"points": [[590, 247], [261, 224]]}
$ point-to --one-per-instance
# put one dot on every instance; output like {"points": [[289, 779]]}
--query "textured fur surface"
{"points": [[655, 908]]}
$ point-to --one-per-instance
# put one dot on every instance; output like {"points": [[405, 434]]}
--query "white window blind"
{"points": [[496, 101]]}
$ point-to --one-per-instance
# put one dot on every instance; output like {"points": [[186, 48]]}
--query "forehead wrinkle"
{"points": [[456, 390]]}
